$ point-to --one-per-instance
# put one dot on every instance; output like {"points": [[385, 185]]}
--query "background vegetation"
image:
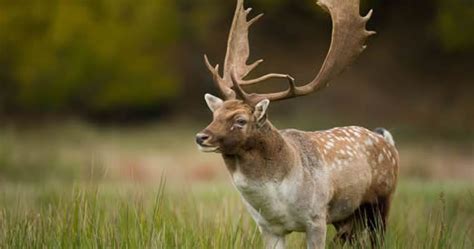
{"points": [[123, 59], [100, 101]]}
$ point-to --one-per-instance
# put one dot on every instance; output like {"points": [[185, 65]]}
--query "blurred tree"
{"points": [[454, 24], [95, 55], [103, 56]]}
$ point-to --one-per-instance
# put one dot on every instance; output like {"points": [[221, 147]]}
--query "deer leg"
{"points": [[316, 234], [345, 230], [378, 221], [273, 241], [376, 216]]}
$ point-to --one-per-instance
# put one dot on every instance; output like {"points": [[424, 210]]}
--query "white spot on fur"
{"points": [[369, 142], [374, 137], [387, 153], [348, 148], [380, 158]]}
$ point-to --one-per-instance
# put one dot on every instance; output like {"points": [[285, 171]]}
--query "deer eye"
{"points": [[240, 122]]}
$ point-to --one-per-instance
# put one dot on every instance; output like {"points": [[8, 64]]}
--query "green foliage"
{"points": [[96, 55], [107, 55], [454, 24]]}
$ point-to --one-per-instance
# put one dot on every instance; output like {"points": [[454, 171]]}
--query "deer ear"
{"points": [[213, 102], [261, 109]]}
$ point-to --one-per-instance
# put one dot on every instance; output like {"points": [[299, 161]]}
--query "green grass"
{"points": [[73, 185], [424, 215]]}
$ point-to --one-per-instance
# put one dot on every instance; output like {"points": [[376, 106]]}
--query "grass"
{"points": [[424, 215], [77, 186]]}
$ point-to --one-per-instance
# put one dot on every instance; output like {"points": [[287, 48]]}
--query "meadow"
{"points": [[82, 186]]}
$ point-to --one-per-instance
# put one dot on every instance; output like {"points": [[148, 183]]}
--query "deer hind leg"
{"points": [[368, 217], [374, 218], [345, 230]]}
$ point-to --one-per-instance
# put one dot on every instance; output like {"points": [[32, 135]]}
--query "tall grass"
{"points": [[41, 208], [110, 216]]}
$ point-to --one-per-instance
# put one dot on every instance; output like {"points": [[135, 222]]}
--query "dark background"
{"points": [[124, 62]]}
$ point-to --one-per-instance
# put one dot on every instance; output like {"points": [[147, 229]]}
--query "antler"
{"points": [[237, 55], [347, 42]]}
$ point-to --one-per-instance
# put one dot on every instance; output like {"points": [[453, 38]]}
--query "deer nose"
{"points": [[201, 138]]}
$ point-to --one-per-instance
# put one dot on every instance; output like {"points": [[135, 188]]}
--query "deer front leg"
{"points": [[273, 241], [316, 234]]}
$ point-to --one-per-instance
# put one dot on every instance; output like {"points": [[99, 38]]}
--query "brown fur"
{"points": [[361, 166]]}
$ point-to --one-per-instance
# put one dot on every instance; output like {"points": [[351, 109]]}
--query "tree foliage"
{"points": [[105, 55], [454, 24], [90, 55]]}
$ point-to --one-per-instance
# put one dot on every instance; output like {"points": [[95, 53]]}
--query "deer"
{"points": [[300, 181]]}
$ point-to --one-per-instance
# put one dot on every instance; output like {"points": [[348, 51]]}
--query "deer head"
{"points": [[240, 115], [235, 123]]}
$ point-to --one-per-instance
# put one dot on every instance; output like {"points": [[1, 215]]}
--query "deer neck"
{"points": [[266, 156]]}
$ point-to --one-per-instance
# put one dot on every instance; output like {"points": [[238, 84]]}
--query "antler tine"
{"points": [[347, 42], [226, 91], [238, 52], [263, 78], [238, 49], [254, 98]]}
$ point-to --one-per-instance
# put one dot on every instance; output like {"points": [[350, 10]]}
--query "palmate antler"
{"points": [[347, 42]]}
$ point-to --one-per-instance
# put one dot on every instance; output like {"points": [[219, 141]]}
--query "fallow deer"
{"points": [[292, 180]]}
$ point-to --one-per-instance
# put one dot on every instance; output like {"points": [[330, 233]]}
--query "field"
{"points": [[81, 186]]}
